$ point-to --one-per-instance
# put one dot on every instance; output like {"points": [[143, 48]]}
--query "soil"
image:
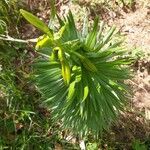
{"points": [[136, 28]]}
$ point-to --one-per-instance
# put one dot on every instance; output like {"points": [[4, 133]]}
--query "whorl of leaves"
{"points": [[95, 93]]}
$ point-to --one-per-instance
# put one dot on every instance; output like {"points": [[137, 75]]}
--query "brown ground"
{"points": [[136, 28]]}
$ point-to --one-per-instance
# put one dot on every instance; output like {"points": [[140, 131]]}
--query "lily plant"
{"points": [[81, 74]]}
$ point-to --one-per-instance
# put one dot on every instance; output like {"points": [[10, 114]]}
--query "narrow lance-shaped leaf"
{"points": [[61, 22], [72, 26], [85, 87], [108, 35], [100, 31], [36, 22], [105, 39], [91, 38], [53, 8], [85, 27], [71, 91]]}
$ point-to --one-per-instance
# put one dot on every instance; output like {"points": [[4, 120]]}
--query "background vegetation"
{"points": [[24, 123]]}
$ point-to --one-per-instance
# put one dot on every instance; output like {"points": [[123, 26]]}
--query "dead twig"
{"points": [[9, 38]]}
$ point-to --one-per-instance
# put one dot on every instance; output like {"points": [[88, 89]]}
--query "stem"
{"points": [[82, 145], [8, 38]]}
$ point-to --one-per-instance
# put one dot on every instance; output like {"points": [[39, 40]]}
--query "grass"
{"points": [[24, 123]]}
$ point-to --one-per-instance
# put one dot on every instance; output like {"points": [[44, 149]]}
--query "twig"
{"points": [[138, 86], [82, 145], [8, 38]]}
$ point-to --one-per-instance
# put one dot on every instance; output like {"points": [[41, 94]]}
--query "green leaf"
{"points": [[71, 91], [85, 87], [44, 42], [36, 22], [108, 35], [53, 8], [85, 27], [72, 26], [105, 39], [99, 34], [91, 38], [61, 22]]}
